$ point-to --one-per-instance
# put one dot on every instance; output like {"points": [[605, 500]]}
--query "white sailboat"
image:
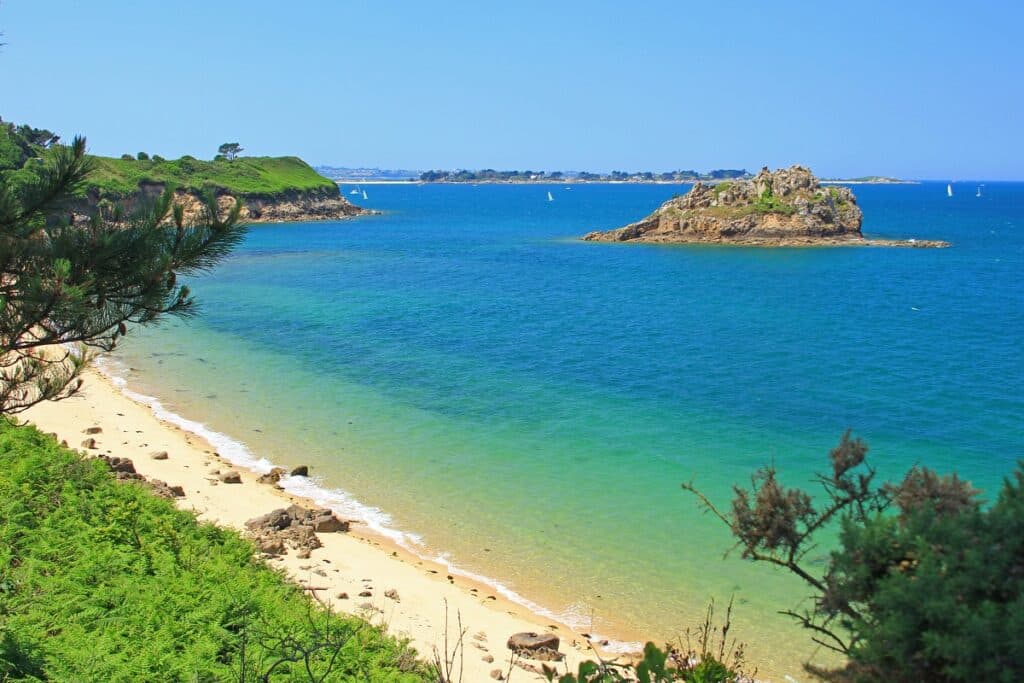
{"points": [[355, 190], [949, 190], [550, 198], [364, 195], [979, 191]]}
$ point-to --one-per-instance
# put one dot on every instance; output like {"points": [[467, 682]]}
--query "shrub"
{"points": [[925, 585]]}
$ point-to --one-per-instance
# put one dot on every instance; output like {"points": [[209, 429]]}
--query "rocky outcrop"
{"points": [[294, 526], [314, 205], [287, 207], [543, 647], [788, 207]]}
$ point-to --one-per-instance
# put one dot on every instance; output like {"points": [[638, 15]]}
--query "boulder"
{"points": [[271, 477], [274, 520], [230, 477], [93, 430], [89, 443], [159, 455], [329, 523], [162, 488], [300, 471], [116, 464], [530, 642]]}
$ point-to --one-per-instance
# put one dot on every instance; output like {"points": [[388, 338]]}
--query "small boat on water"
{"points": [[550, 197], [364, 195], [949, 190], [979, 191], [355, 190]]}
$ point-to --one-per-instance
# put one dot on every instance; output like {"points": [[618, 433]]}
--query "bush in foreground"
{"points": [[104, 581], [926, 582]]}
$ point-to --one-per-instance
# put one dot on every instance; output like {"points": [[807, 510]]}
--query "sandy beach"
{"points": [[422, 597]]}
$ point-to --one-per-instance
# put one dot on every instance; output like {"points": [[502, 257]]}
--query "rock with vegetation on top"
{"points": [[787, 207]]}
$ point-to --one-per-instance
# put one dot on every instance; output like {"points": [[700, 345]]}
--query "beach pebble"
{"points": [[89, 443], [487, 658], [497, 675], [343, 596], [300, 471], [159, 455], [93, 430], [303, 554], [366, 594], [231, 477], [393, 594]]}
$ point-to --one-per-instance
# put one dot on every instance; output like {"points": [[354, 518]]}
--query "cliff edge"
{"points": [[787, 207]]}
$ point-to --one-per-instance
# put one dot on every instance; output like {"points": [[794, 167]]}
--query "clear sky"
{"points": [[914, 89]]}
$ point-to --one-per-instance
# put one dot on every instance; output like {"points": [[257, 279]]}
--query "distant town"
{"points": [[489, 175]]}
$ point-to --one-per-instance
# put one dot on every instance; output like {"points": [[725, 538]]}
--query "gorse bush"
{"points": [[104, 581]]}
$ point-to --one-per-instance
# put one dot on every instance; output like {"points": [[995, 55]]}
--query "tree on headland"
{"points": [[229, 150], [70, 287], [925, 584]]}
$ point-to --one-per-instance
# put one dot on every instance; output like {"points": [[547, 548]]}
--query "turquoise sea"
{"points": [[469, 378]]}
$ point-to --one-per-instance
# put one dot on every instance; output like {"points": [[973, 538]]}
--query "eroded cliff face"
{"points": [[306, 205], [787, 207], [288, 207]]}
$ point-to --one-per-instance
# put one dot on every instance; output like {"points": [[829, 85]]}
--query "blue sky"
{"points": [[914, 89]]}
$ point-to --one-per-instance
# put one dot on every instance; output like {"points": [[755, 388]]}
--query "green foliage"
{"points": [[245, 176], [70, 286], [714, 659], [104, 581], [925, 585], [142, 156], [229, 150], [768, 203]]}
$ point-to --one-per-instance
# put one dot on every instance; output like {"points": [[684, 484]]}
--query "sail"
{"points": [[550, 198], [949, 190]]}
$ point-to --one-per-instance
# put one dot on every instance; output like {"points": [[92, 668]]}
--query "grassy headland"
{"points": [[104, 581], [271, 188], [245, 176]]}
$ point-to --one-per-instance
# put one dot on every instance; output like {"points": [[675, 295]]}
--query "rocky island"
{"points": [[787, 207]]}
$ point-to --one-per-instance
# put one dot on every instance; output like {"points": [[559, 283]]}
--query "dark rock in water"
{"points": [[230, 477], [543, 647], [271, 477], [300, 471], [788, 207]]}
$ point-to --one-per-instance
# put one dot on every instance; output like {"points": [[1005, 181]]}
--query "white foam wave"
{"points": [[346, 506]]}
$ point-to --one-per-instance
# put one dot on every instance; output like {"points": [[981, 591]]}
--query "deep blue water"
{"points": [[467, 366]]}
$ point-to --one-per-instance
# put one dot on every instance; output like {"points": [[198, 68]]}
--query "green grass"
{"points": [[246, 176], [104, 581]]}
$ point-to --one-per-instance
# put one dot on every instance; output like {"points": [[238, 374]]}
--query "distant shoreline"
{"points": [[570, 181]]}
